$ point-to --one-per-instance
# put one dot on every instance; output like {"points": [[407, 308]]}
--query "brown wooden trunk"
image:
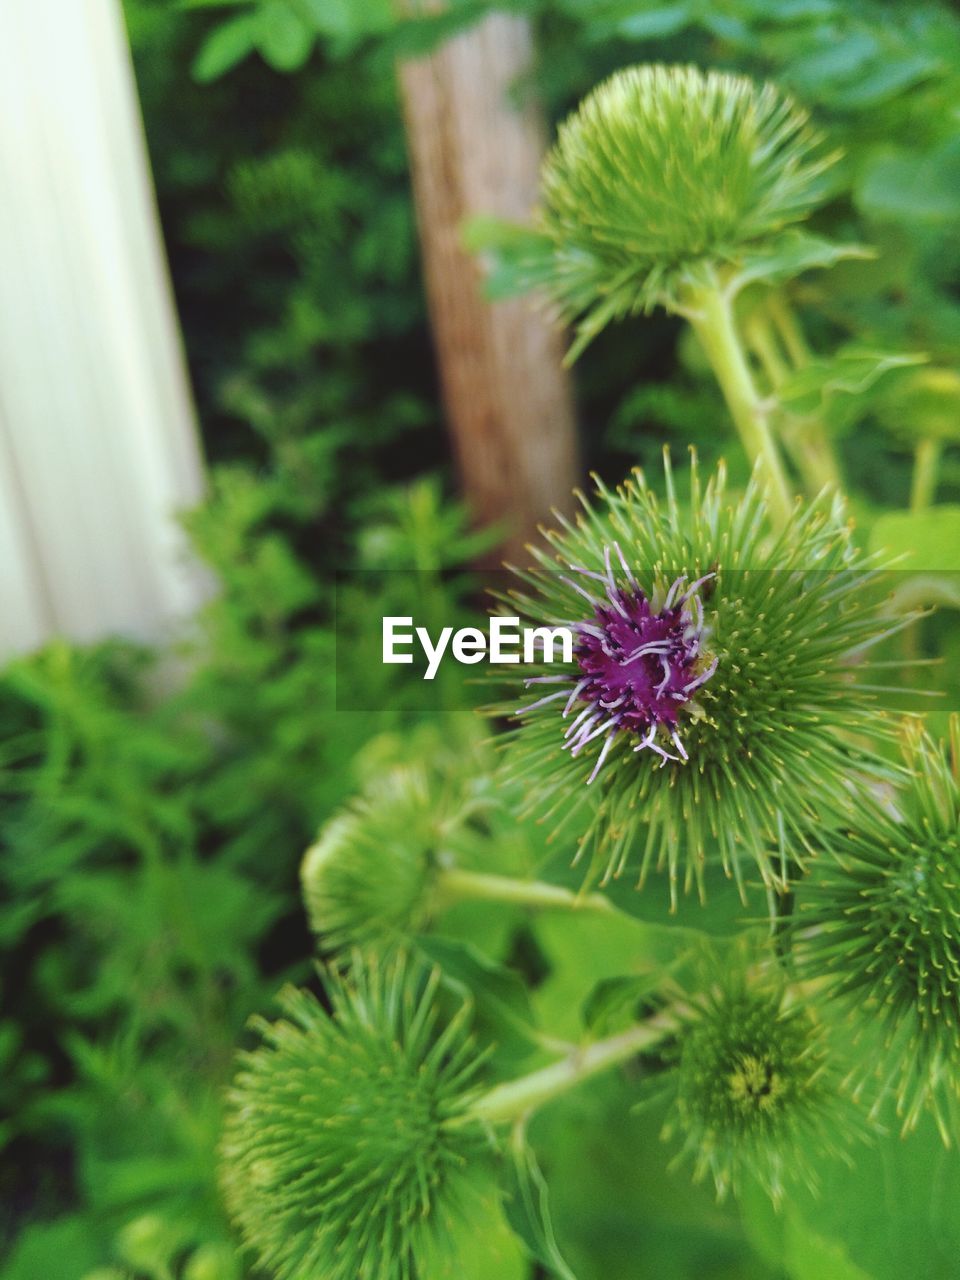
{"points": [[508, 400]]}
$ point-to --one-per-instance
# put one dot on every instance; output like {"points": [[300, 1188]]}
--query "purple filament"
{"points": [[638, 667]]}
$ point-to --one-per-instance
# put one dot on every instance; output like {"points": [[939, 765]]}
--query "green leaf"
{"points": [[213, 4], [930, 540], [837, 388], [898, 185], [891, 1214], [656, 24], [790, 255], [65, 1248], [283, 38], [503, 1007], [348, 20], [527, 1204], [481, 1243], [225, 47], [791, 1245], [612, 1004], [517, 258]]}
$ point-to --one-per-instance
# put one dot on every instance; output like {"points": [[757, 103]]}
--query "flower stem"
{"points": [[926, 463], [710, 311], [803, 437], [454, 885], [515, 1099]]}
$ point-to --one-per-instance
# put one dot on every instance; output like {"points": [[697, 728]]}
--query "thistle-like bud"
{"points": [[880, 918], [752, 1090], [366, 880], [345, 1150], [662, 170], [712, 702]]}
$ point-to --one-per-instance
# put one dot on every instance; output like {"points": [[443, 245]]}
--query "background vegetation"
{"points": [[151, 838]]}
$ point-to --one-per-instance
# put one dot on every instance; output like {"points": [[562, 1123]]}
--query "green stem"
{"points": [[711, 313], [803, 438], [926, 463], [790, 332], [506, 1103], [812, 448], [454, 885], [759, 333]]}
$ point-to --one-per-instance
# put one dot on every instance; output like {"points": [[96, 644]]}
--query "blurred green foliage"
{"points": [[153, 808]]}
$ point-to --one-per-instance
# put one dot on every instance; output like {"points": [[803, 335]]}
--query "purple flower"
{"points": [[639, 662]]}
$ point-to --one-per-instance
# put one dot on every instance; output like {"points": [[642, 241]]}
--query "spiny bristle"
{"points": [[662, 168], [340, 1156], [769, 740], [752, 1084], [366, 878], [880, 918]]}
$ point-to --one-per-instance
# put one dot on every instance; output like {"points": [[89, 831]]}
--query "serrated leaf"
{"points": [[790, 255]]}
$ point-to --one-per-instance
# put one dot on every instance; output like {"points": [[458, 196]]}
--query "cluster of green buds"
{"points": [[719, 712]]}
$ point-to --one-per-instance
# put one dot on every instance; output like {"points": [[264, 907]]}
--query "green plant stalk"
{"points": [[710, 312], [926, 464], [820, 455], [453, 885], [803, 437], [789, 330], [516, 1099]]}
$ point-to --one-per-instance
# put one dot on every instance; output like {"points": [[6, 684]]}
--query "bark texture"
{"points": [[507, 397]]}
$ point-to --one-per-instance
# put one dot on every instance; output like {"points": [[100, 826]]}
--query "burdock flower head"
{"points": [[711, 704], [880, 919], [663, 171], [753, 1090], [344, 1152], [367, 878]]}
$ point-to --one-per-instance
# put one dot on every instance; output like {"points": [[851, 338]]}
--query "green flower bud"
{"points": [[880, 919], [345, 1145], [752, 1090], [366, 880], [713, 702], [662, 170]]}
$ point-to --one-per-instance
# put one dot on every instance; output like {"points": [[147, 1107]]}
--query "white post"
{"points": [[98, 446]]}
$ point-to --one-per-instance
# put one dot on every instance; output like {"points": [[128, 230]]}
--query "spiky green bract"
{"points": [[366, 880], [772, 739], [664, 169], [344, 1153], [752, 1090], [880, 918]]}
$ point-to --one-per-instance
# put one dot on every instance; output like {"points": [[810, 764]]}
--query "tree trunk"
{"points": [[507, 398]]}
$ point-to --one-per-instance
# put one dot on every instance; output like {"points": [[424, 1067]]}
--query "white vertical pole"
{"points": [[98, 446]]}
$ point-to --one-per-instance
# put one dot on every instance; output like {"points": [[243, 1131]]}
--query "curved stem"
{"points": [[790, 332], [815, 455], [454, 885], [710, 311], [926, 463], [515, 1099], [804, 438]]}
